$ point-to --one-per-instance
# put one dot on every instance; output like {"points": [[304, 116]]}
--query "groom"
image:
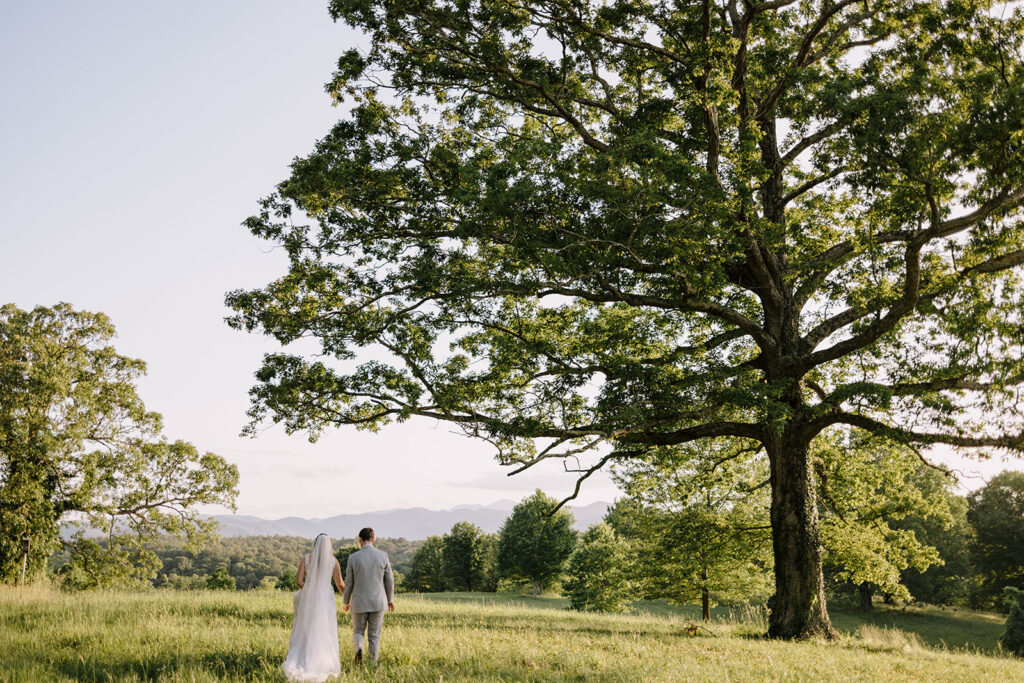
{"points": [[370, 588]]}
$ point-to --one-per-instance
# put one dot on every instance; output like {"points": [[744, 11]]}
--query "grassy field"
{"points": [[206, 636]]}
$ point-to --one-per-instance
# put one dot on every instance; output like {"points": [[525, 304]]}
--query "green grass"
{"points": [[205, 636]]}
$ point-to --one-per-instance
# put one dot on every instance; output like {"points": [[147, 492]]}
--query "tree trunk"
{"points": [[800, 609], [865, 596], [534, 582], [705, 596]]}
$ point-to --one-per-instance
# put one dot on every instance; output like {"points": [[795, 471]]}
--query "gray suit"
{"points": [[369, 588]]}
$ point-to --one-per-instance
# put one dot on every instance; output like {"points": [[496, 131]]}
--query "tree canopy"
{"points": [[534, 544], [996, 515], [467, 558], [427, 572], [583, 229], [79, 447], [598, 574]]}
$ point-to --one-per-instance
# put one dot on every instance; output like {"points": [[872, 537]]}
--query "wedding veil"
{"points": [[313, 648]]}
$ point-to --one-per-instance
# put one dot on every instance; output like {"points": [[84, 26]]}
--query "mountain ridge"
{"points": [[410, 523]]}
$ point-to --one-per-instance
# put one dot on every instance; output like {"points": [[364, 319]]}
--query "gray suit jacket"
{"points": [[369, 583]]}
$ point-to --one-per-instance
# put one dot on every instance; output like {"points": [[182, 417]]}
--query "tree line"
{"points": [[255, 561], [919, 542]]}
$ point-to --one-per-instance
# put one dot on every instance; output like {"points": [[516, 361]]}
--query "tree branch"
{"points": [[874, 426]]}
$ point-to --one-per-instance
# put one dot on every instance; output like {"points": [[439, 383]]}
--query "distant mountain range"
{"points": [[411, 523]]}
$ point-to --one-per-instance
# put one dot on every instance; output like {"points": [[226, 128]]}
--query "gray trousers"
{"points": [[360, 620]]}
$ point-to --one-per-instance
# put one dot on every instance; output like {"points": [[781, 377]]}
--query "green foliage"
{"points": [[697, 521], [427, 572], [287, 581], [534, 544], [268, 583], [598, 577], [1013, 638], [467, 559], [871, 487], [107, 564], [250, 559], [342, 553], [175, 582], [996, 515], [77, 446], [946, 582], [571, 227], [491, 575], [220, 580]]}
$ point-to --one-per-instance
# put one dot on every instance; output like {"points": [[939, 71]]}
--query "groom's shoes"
{"points": [[359, 656]]}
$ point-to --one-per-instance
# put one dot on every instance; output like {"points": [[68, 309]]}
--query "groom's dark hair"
{"points": [[366, 534]]}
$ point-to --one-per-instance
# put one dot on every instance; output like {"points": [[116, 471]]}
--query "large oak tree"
{"points": [[580, 228]]}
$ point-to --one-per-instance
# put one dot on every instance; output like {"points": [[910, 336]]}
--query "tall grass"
{"points": [[208, 636]]}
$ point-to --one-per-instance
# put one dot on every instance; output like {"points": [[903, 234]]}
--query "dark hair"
{"points": [[366, 534]]}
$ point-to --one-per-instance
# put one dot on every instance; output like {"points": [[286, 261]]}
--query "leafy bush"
{"points": [[221, 580], [287, 581]]}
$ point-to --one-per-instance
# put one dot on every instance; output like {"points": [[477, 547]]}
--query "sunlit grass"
{"points": [[205, 636]]}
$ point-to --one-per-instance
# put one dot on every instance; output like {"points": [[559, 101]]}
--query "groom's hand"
{"points": [[391, 607], [344, 607]]}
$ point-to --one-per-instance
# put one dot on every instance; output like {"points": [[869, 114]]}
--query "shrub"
{"points": [[1013, 638], [287, 581], [221, 580]]}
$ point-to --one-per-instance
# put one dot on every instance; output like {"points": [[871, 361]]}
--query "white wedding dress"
{"points": [[313, 648]]}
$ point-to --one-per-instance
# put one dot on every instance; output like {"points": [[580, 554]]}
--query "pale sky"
{"points": [[134, 139]]}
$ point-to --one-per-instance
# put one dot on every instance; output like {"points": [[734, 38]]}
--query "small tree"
{"points": [[267, 583], [868, 486], [427, 572], [598, 580], [696, 519], [464, 558], [533, 544], [220, 580], [1013, 638]]}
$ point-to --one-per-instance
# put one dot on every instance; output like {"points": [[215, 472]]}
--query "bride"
{"points": [[313, 648]]}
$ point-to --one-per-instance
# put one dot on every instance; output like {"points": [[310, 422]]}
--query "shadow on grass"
{"points": [[948, 629]]}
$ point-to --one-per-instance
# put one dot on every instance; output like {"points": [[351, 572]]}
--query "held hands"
{"points": [[391, 607], [345, 607]]}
